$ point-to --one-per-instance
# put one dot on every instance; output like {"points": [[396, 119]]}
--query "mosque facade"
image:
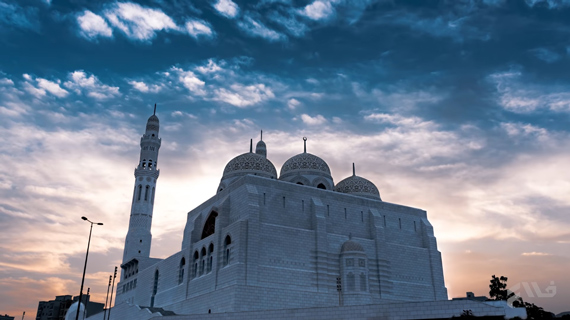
{"points": [[267, 241]]}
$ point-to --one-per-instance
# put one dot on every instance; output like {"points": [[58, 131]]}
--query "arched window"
{"points": [[300, 183], [210, 257], [195, 269], [150, 164], [140, 191], [152, 196], [144, 163], [350, 281], [146, 193], [154, 288], [227, 244], [181, 271], [203, 263], [362, 282], [321, 186], [210, 225]]}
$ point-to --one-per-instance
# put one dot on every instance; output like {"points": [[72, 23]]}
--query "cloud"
{"points": [[227, 8], [243, 96], [255, 28], [293, 26], [523, 130], [143, 87], [43, 86], [293, 103], [546, 55], [138, 22], [313, 121], [13, 15], [197, 28], [211, 67], [551, 4], [190, 81], [520, 96], [80, 82], [318, 10], [535, 254], [93, 26]]}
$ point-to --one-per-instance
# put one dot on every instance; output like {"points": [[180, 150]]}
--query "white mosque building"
{"points": [[287, 245]]}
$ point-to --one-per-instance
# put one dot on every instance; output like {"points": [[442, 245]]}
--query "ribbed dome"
{"points": [[305, 162], [351, 246], [250, 163], [358, 186]]}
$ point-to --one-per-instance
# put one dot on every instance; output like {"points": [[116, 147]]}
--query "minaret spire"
{"points": [[139, 237], [154, 113], [353, 170], [305, 144], [261, 139], [250, 145]]}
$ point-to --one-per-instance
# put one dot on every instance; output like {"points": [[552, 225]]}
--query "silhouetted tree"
{"points": [[498, 291]]}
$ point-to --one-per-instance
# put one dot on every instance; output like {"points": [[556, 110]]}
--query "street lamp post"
{"points": [[85, 266]]}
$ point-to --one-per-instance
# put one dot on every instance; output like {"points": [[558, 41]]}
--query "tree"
{"points": [[498, 288], [498, 291]]}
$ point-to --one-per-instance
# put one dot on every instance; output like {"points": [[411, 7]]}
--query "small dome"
{"points": [[152, 124], [261, 148], [250, 163], [351, 246], [305, 162], [358, 186]]}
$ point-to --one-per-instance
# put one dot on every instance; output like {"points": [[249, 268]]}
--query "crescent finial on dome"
{"points": [[353, 170], [305, 144]]}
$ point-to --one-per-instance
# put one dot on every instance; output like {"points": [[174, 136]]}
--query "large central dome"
{"points": [[250, 163], [305, 162], [307, 169]]}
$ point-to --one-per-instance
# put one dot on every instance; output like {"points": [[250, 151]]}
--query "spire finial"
{"points": [[353, 170], [305, 142], [250, 145], [154, 113], [261, 135]]}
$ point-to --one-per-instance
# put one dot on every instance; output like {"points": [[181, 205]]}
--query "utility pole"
{"points": [[107, 298], [112, 287]]}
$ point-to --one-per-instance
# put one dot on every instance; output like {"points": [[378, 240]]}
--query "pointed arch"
{"points": [[210, 225], [140, 192], [146, 192], [181, 271]]}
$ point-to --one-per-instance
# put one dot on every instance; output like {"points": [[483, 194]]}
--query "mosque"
{"points": [[287, 245]]}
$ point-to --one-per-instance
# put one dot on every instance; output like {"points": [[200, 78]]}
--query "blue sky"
{"points": [[457, 107]]}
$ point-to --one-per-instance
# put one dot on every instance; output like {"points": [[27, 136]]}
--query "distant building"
{"points": [[57, 309], [6, 317], [471, 296]]}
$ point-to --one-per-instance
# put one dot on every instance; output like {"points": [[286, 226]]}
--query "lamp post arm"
{"points": [[84, 269]]}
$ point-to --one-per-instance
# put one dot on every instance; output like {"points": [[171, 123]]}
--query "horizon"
{"points": [[458, 108]]}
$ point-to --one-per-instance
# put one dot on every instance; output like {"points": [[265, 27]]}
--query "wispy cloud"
{"points": [[519, 94], [40, 87], [138, 22], [15, 16], [546, 55], [243, 96], [227, 8], [313, 121], [93, 26], [143, 87], [255, 28], [318, 10], [80, 82], [199, 28]]}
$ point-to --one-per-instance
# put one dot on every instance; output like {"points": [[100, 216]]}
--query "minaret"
{"points": [[137, 243]]}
